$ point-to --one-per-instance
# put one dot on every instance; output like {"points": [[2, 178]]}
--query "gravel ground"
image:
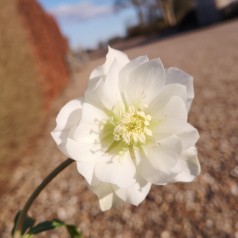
{"points": [[205, 208]]}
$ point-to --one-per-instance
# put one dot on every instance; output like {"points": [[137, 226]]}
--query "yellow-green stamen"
{"points": [[133, 127]]}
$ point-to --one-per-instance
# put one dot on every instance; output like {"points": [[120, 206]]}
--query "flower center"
{"points": [[133, 127]]}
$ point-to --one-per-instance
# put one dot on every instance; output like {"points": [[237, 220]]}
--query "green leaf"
{"points": [[45, 226], [73, 231], [28, 223], [55, 223]]}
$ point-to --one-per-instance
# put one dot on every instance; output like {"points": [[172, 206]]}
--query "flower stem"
{"points": [[20, 221]]}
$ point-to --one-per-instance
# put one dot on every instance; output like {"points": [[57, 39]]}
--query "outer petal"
{"points": [[112, 55], [125, 77], [164, 154], [85, 144], [117, 55], [67, 118], [96, 73], [155, 176], [188, 134], [116, 169], [159, 158], [164, 96], [106, 195], [129, 67], [169, 120], [93, 93], [172, 119], [87, 148], [143, 83], [188, 168], [93, 84], [104, 92], [89, 130], [136, 193], [174, 75], [86, 156], [110, 94]]}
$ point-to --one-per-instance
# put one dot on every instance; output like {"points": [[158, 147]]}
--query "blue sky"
{"points": [[87, 22]]}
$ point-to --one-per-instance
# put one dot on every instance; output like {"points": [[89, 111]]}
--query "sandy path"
{"points": [[204, 208]]}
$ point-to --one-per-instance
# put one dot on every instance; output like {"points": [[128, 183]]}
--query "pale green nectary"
{"points": [[130, 129]]}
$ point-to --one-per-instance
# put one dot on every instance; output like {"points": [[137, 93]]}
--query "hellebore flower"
{"points": [[130, 129]]}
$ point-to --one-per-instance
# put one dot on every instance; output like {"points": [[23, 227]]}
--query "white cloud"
{"points": [[81, 11]]}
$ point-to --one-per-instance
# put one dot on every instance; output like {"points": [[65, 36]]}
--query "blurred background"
{"points": [[48, 49]]}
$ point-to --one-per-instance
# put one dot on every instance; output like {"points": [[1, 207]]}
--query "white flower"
{"points": [[130, 129]]}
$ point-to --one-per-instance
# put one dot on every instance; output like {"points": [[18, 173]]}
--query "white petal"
{"points": [[87, 133], [144, 83], [188, 134], [89, 129], [69, 115], [163, 154], [104, 92], [86, 156], [86, 169], [97, 72], [110, 94], [158, 160], [103, 84], [136, 193], [67, 118], [116, 169], [188, 167], [153, 175], [59, 136], [113, 54], [170, 118], [94, 91], [125, 84], [106, 195], [174, 75], [93, 84], [128, 68], [84, 152], [166, 93], [92, 114]]}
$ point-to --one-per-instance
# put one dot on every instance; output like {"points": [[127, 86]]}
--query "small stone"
{"points": [[165, 234]]}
